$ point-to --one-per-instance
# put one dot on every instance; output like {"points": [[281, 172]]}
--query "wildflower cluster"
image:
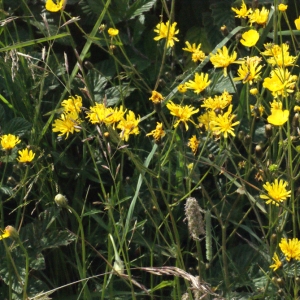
{"points": [[70, 120], [10, 141], [257, 16]]}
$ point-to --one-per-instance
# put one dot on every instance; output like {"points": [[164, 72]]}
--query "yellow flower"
{"points": [[156, 97], [280, 55], [197, 54], [199, 83], [129, 125], [193, 144], [25, 156], [253, 91], [113, 32], [9, 231], [73, 104], [206, 118], [182, 88], [242, 12], [9, 141], [183, 113], [222, 59], [99, 114], [55, 6], [249, 71], [277, 263], [166, 31], [250, 38], [218, 102], [277, 192], [158, 132], [297, 23], [290, 248], [259, 17], [278, 117], [68, 123], [280, 82], [223, 123], [282, 7]]}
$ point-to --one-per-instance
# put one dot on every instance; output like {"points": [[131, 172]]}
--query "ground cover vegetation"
{"points": [[149, 149]]}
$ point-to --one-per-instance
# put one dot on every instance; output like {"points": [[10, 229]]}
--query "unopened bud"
{"points": [[258, 151], [268, 130], [295, 122], [280, 281], [247, 140], [88, 65], [241, 134], [224, 30], [61, 200]]}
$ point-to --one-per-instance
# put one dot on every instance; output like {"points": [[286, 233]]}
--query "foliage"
{"points": [[165, 150]]}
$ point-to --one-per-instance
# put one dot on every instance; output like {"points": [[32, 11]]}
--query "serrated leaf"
{"points": [[17, 126], [139, 7], [115, 93], [222, 14]]}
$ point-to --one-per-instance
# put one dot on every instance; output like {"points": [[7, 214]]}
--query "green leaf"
{"points": [[139, 7], [116, 93], [17, 126]]}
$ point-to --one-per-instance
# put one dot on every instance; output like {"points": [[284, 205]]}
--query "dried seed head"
{"points": [[194, 218]]}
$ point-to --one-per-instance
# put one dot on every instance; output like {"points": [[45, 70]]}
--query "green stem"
{"points": [[83, 268]]}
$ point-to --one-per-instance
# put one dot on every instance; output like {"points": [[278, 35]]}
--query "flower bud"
{"points": [[247, 140], [280, 281], [241, 134], [88, 65], [224, 30], [61, 200], [295, 121], [268, 130], [258, 151], [11, 232]]}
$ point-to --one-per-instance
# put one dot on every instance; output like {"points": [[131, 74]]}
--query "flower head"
{"points": [[156, 97], [280, 82], [99, 114], [280, 55], [183, 113], [25, 156], [9, 141], [224, 123], [113, 32], [158, 132], [259, 16], [73, 104], [277, 192], [282, 7], [222, 59], [277, 263], [243, 12], [199, 83], [193, 144], [206, 118], [297, 23], [68, 123], [55, 6], [249, 70], [197, 54], [278, 117], [129, 125], [290, 248], [250, 38], [182, 88], [166, 31], [218, 102], [9, 231]]}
